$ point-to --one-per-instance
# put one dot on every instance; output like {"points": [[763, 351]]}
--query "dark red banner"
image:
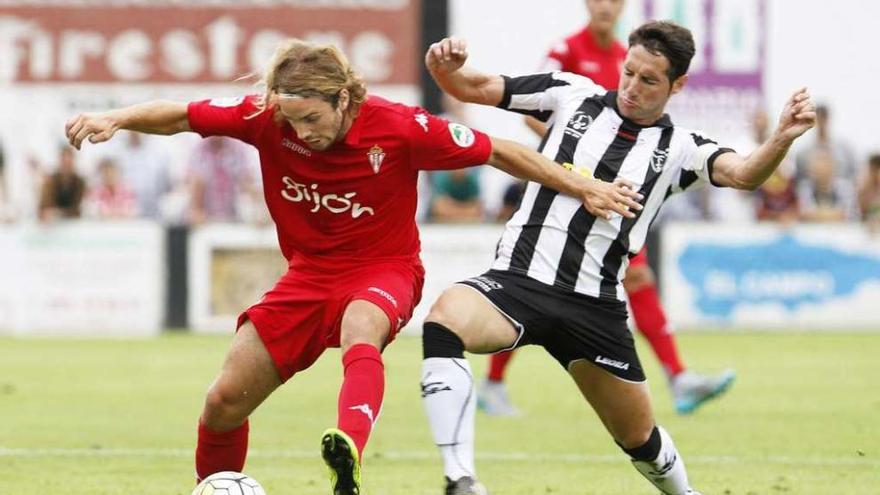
{"points": [[185, 44]]}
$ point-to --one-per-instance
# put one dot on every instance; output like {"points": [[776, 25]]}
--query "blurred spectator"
{"points": [[869, 192], [7, 212], [111, 197], [845, 165], [510, 202], [776, 199], [220, 177], [824, 196], [456, 197], [145, 170], [62, 192]]}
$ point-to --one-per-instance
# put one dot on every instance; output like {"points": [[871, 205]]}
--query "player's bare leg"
{"points": [[460, 320], [248, 376], [625, 410], [363, 333], [689, 389]]}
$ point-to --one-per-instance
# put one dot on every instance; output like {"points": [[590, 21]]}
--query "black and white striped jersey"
{"points": [[553, 238]]}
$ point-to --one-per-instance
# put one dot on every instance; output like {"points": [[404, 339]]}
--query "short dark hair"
{"points": [[666, 38], [874, 160]]}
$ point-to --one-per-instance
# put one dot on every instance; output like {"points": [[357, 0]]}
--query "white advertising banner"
{"points": [[232, 266], [82, 278], [769, 276]]}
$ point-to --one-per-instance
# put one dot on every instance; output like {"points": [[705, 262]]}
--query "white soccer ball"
{"points": [[229, 483]]}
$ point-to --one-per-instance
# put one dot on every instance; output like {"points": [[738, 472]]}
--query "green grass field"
{"points": [[118, 417]]}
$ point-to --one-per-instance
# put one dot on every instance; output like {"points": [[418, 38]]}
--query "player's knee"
{"points": [[363, 323], [441, 335], [444, 312], [223, 410]]}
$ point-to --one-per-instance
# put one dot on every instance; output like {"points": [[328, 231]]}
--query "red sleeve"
{"points": [[437, 144], [561, 54], [233, 117]]}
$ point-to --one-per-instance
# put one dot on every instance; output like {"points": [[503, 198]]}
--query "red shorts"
{"points": [[300, 317], [640, 259]]}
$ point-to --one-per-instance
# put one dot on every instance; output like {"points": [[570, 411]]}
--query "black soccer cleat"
{"points": [[341, 456], [465, 486]]}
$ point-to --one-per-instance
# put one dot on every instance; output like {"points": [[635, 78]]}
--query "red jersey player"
{"points": [[339, 172], [595, 53]]}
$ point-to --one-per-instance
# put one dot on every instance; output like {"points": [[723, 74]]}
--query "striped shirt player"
{"points": [[594, 52], [556, 281], [551, 238]]}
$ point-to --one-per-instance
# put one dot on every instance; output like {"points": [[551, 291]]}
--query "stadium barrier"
{"points": [[82, 278], [768, 276], [112, 279], [231, 266]]}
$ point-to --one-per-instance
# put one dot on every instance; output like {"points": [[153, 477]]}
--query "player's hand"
{"points": [[798, 116], [446, 55], [97, 127], [603, 199]]}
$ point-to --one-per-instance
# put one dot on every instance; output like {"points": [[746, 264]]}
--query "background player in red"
{"points": [[594, 52], [339, 171]]}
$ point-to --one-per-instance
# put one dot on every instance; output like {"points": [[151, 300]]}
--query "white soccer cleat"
{"points": [[492, 399], [690, 390], [465, 486]]}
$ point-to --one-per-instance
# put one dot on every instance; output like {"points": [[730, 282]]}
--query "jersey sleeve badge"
{"points": [[462, 135]]}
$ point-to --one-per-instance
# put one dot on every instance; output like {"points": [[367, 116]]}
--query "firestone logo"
{"points": [[295, 192]]}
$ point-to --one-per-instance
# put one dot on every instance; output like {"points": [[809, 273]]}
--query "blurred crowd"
{"points": [[823, 180], [134, 178]]}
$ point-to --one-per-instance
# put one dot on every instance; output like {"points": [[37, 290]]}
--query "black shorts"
{"points": [[570, 326]]}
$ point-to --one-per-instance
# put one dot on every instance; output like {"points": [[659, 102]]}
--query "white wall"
{"points": [[826, 46]]}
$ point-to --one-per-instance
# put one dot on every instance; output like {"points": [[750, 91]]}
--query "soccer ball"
{"points": [[229, 483]]}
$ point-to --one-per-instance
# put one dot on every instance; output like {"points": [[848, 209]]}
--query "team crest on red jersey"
{"points": [[376, 156]]}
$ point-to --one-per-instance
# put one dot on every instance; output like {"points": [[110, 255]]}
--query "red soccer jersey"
{"points": [[356, 201], [580, 54]]}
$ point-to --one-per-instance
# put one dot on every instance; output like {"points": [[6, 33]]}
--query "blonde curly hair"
{"points": [[310, 70]]}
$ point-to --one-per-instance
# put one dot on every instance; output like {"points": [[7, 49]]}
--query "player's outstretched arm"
{"points": [[602, 199], [445, 61], [155, 117], [733, 170]]}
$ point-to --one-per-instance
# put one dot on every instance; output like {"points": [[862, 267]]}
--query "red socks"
{"points": [[651, 322], [498, 364], [360, 398], [218, 452]]}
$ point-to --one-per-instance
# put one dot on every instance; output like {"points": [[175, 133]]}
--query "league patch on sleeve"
{"points": [[226, 102], [462, 135]]}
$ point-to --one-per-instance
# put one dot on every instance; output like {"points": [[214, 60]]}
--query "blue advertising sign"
{"points": [[808, 275]]}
